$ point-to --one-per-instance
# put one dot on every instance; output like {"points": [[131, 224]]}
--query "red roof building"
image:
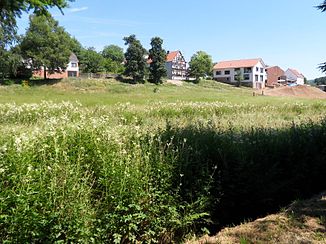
{"points": [[253, 72]]}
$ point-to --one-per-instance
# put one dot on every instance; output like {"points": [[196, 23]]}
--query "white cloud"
{"points": [[76, 10]]}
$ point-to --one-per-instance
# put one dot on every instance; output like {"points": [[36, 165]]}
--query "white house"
{"points": [[176, 66], [294, 76], [252, 70], [72, 70]]}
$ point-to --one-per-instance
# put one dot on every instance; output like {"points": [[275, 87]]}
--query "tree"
{"points": [[157, 55], [135, 59], [200, 65], [239, 77], [114, 58], [46, 45], [12, 9], [322, 7], [320, 81], [91, 61], [114, 53], [76, 47]]}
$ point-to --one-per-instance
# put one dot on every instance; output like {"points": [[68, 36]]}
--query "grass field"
{"points": [[101, 161], [109, 92]]}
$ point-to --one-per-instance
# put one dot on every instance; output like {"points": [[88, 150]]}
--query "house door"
{"points": [[72, 73]]}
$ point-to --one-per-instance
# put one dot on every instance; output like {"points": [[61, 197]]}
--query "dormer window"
{"points": [[74, 65]]}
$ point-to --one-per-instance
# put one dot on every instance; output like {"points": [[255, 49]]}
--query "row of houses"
{"points": [[175, 65], [255, 72]]}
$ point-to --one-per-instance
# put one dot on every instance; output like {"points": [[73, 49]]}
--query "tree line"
{"points": [[47, 45]]}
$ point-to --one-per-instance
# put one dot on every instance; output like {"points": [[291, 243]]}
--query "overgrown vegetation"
{"points": [[153, 172]]}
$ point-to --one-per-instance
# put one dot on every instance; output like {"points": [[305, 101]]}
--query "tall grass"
{"points": [[151, 173]]}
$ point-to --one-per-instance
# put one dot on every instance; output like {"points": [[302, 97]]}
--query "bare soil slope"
{"points": [[297, 91], [301, 222]]}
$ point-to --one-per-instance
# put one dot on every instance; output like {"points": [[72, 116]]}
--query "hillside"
{"points": [[93, 92], [301, 222]]}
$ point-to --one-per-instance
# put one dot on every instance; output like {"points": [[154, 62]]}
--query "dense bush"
{"points": [[71, 174]]}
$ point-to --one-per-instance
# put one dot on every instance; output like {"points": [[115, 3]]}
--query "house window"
{"points": [[256, 78], [257, 69], [261, 70], [74, 65], [246, 77], [261, 78], [218, 72], [227, 72], [247, 70]]}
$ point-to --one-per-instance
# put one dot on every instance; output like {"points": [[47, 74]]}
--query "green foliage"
{"points": [[322, 6], [114, 53], [12, 9], [135, 59], [46, 44], [239, 77], [124, 180], [10, 62], [114, 58], [91, 61], [113, 67], [322, 67], [157, 55], [200, 65], [320, 81], [76, 47]]}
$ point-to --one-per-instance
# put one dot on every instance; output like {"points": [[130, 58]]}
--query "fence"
{"points": [[97, 76]]}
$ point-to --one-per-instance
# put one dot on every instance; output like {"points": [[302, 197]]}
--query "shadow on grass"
{"points": [[42, 82], [303, 220], [315, 208], [128, 80], [248, 174]]}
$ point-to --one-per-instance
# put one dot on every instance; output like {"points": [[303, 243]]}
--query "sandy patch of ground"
{"points": [[296, 91], [301, 222], [175, 82]]}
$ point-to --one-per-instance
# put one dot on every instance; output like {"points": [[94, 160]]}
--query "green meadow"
{"points": [[89, 161]]}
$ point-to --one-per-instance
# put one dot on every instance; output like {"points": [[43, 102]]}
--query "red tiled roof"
{"points": [[237, 63], [171, 56], [297, 73]]}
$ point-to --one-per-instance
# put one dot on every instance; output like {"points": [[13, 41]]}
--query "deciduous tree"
{"points": [[46, 44], [157, 55], [239, 77], [200, 65], [91, 61], [322, 7], [114, 58], [12, 9], [113, 52], [135, 59]]}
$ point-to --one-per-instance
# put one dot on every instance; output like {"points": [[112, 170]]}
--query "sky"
{"points": [[287, 33]]}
